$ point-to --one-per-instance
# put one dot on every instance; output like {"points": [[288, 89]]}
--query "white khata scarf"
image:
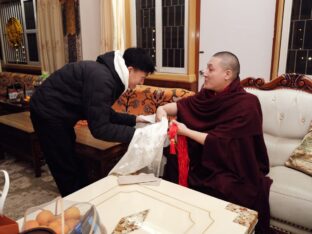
{"points": [[121, 69]]}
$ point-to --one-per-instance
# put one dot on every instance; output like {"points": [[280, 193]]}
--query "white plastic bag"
{"points": [[5, 190], [145, 150], [7, 225]]}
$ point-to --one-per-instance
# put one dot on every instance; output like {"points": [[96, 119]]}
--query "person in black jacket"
{"points": [[85, 90]]}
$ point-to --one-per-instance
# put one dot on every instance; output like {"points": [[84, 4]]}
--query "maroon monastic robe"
{"points": [[233, 162]]}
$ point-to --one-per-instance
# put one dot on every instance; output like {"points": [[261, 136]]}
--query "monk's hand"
{"points": [[160, 113], [182, 129]]}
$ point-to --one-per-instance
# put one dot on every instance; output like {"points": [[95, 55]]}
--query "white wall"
{"points": [[90, 28], [244, 27]]}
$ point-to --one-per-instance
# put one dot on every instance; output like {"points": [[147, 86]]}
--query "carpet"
{"points": [[25, 190]]}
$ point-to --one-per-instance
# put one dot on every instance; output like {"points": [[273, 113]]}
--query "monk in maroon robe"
{"points": [[227, 153]]}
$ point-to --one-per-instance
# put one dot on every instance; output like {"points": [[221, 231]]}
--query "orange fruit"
{"points": [[71, 223], [57, 227], [45, 217], [31, 224], [72, 213]]}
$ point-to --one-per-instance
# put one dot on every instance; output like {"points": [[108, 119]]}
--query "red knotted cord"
{"points": [[172, 132], [183, 158]]}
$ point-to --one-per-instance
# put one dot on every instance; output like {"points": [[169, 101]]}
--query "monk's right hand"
{"points": [[160, 113], [182, 129]]}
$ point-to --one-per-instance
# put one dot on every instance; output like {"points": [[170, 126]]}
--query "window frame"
{"points": [[158, 24], [30, 31], [25, 39], [281, 38]]}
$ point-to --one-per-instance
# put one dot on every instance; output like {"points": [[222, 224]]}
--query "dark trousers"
{"points": [[57, 141]]}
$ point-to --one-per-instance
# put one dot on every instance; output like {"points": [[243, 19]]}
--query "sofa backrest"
{"points": [[144, 99], [286, 104]]}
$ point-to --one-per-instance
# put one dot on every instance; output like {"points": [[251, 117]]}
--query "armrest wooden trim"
{"points": [[290, 81]]}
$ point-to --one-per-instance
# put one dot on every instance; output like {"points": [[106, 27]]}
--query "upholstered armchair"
{"points": [[287, 114]]}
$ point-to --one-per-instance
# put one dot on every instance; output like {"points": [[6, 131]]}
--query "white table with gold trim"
{"points": [[172, 208]]}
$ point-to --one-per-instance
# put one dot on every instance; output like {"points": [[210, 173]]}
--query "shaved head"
{"points": [[229, 61]]}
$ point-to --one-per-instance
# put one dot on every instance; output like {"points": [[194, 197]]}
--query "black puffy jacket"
{"points": [[85, 90]]}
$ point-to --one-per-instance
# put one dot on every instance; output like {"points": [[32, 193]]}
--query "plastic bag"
{"points": [[7, 225], [63, 217], [145, 151]]}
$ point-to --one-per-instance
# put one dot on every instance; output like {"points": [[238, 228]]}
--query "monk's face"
{"points": [[216, 77], [136, 77]]}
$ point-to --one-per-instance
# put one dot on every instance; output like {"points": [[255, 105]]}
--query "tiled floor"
{"points": [[26, 190]]}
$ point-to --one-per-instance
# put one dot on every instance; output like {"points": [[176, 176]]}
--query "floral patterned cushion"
{"points": [[301, 158], [144, 99]]}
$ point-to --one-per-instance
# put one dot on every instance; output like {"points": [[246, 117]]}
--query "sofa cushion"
{"points": [[279, 148], [290, 196], [301, 158], [144, 99], [286, 119]]}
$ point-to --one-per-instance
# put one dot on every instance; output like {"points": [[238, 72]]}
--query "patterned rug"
{"points": [[26, 190]]}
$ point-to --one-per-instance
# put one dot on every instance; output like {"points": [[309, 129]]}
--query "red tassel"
{"points": [[172, 147], [183, 158], [183, 161], [172, 133]]}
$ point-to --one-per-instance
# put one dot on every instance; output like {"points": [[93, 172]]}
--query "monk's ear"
{"points": [[228, 74]]}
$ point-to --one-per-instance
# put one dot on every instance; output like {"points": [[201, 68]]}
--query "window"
{"points": [[299, 59], [23, 50], [293, 40], [161, 29]]}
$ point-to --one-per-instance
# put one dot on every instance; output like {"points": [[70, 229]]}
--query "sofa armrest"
{"points": [[286, 118]]}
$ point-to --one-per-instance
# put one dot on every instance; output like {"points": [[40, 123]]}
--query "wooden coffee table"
{"points": [[18, 137]]}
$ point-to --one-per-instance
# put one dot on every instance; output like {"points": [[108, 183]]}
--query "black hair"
{"points": [[139, 59], [229, 61]]}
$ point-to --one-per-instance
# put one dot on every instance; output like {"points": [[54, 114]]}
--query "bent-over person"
{"points": [[85, 90]]}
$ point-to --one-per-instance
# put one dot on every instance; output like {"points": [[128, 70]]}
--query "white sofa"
{"points": [[287, 113]]}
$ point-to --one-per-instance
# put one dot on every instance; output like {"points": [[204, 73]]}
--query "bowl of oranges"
{"points": [[61, 219]]}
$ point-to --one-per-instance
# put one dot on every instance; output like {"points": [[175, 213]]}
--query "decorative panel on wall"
{"points": [[72, 32], [12, 34]]}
